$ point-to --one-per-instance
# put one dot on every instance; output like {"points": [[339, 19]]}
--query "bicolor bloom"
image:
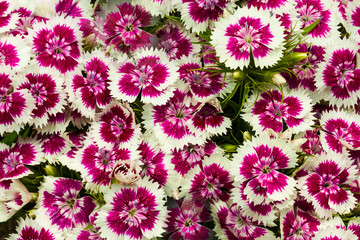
{"points": [[14, 52], [88, 86], [210, 182], [26, 20], [73, 9], [13, 196], [46, 87], [257, 165], [169, 122], [96, 164], [13, 159], [132, 212], [272, 5], [123, 27], [331, 233], [190, 156], [296, 224], [8, 19], [57, 43], [231, 223], [273, 109], [324, 187], [309, 11], [341, 131], [338, 78], [352, 16], [53, 145], [184, 221], [198, 15], [248, 32], [150, 73], [87, 234], [59, 204], [16, 105], [116, 127], [176, 41], [31, 229], [158, 7], [56, 123], [203, 84], [312, 145], [152, 163], [304, 71], [208, 121]]}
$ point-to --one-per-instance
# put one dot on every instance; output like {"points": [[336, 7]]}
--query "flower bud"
{"points": [[126, 172], [239, 75], [51, 171], [278, 79], [246, 136], [229, 147]]}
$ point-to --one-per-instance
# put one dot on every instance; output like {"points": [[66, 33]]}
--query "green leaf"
{"points": [[206, 35], [308, 29], [177, 19], [10, 138]]}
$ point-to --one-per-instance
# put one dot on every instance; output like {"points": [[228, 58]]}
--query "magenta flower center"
{"points": [[309, 14]]}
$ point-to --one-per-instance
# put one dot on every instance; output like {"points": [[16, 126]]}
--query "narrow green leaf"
{"points": [[308, 29]]}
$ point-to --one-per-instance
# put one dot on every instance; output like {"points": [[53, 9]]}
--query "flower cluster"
{"points": [[180, 119]]}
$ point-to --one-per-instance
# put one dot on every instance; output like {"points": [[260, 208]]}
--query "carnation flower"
{"points": [[297, 224], [16, 105], [53, 145], [170, 121], [273, 109], [123, 27], [46, 87], [312, 145], [352, 16], [150, 73], [13, 159], [245, 34], [132, 212], [60, 206], [231, 223], [127, 172], [30, 229], [13, 196], [26, 19], [341, 131], [199, 15], [56, 123], [7, 18], [184, 221], [57, 43], [324, 186], [73, 8], [176, 41], [309, 11], [116, 127], [212, 181], [257, 165], [338, 78], [14, 52], [88, 86], [190, 156]]}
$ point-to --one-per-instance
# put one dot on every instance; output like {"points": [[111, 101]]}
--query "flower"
{"points": [[184, 221], [8, 19], [273, 109], [30, 229], [158, 7], [324, 185], [338, 77], [57, 43], [132, 212], [60, 206], [150, 73], [247, 33], [14, 52], [257, 165], [123, 27], [13, 159], [13, 196], [340, 131], [89, 92]]}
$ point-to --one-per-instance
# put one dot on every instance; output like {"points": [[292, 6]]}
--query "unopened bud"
{"points": [[229, 147], [126, 172], [239, 75], [246, 136], [278, 79], [51, 171]]}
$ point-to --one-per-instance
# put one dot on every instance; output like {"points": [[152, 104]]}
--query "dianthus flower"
{"points": [[123, 27], [60, 206], [8, 19], [14, 52], [150, 73], [132, 212], [245, 34], [324, 185], [273, 109], [338, 78], [57, 43]]}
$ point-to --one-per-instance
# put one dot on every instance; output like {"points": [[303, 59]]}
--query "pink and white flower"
{"points": [[338, 78], [341, 131], [245, 34], [273, 109], [57, 43], [132, 212], [7, 17], [60, 206], [13, 196], [14, 52], [150, 72], [324, 187]]}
